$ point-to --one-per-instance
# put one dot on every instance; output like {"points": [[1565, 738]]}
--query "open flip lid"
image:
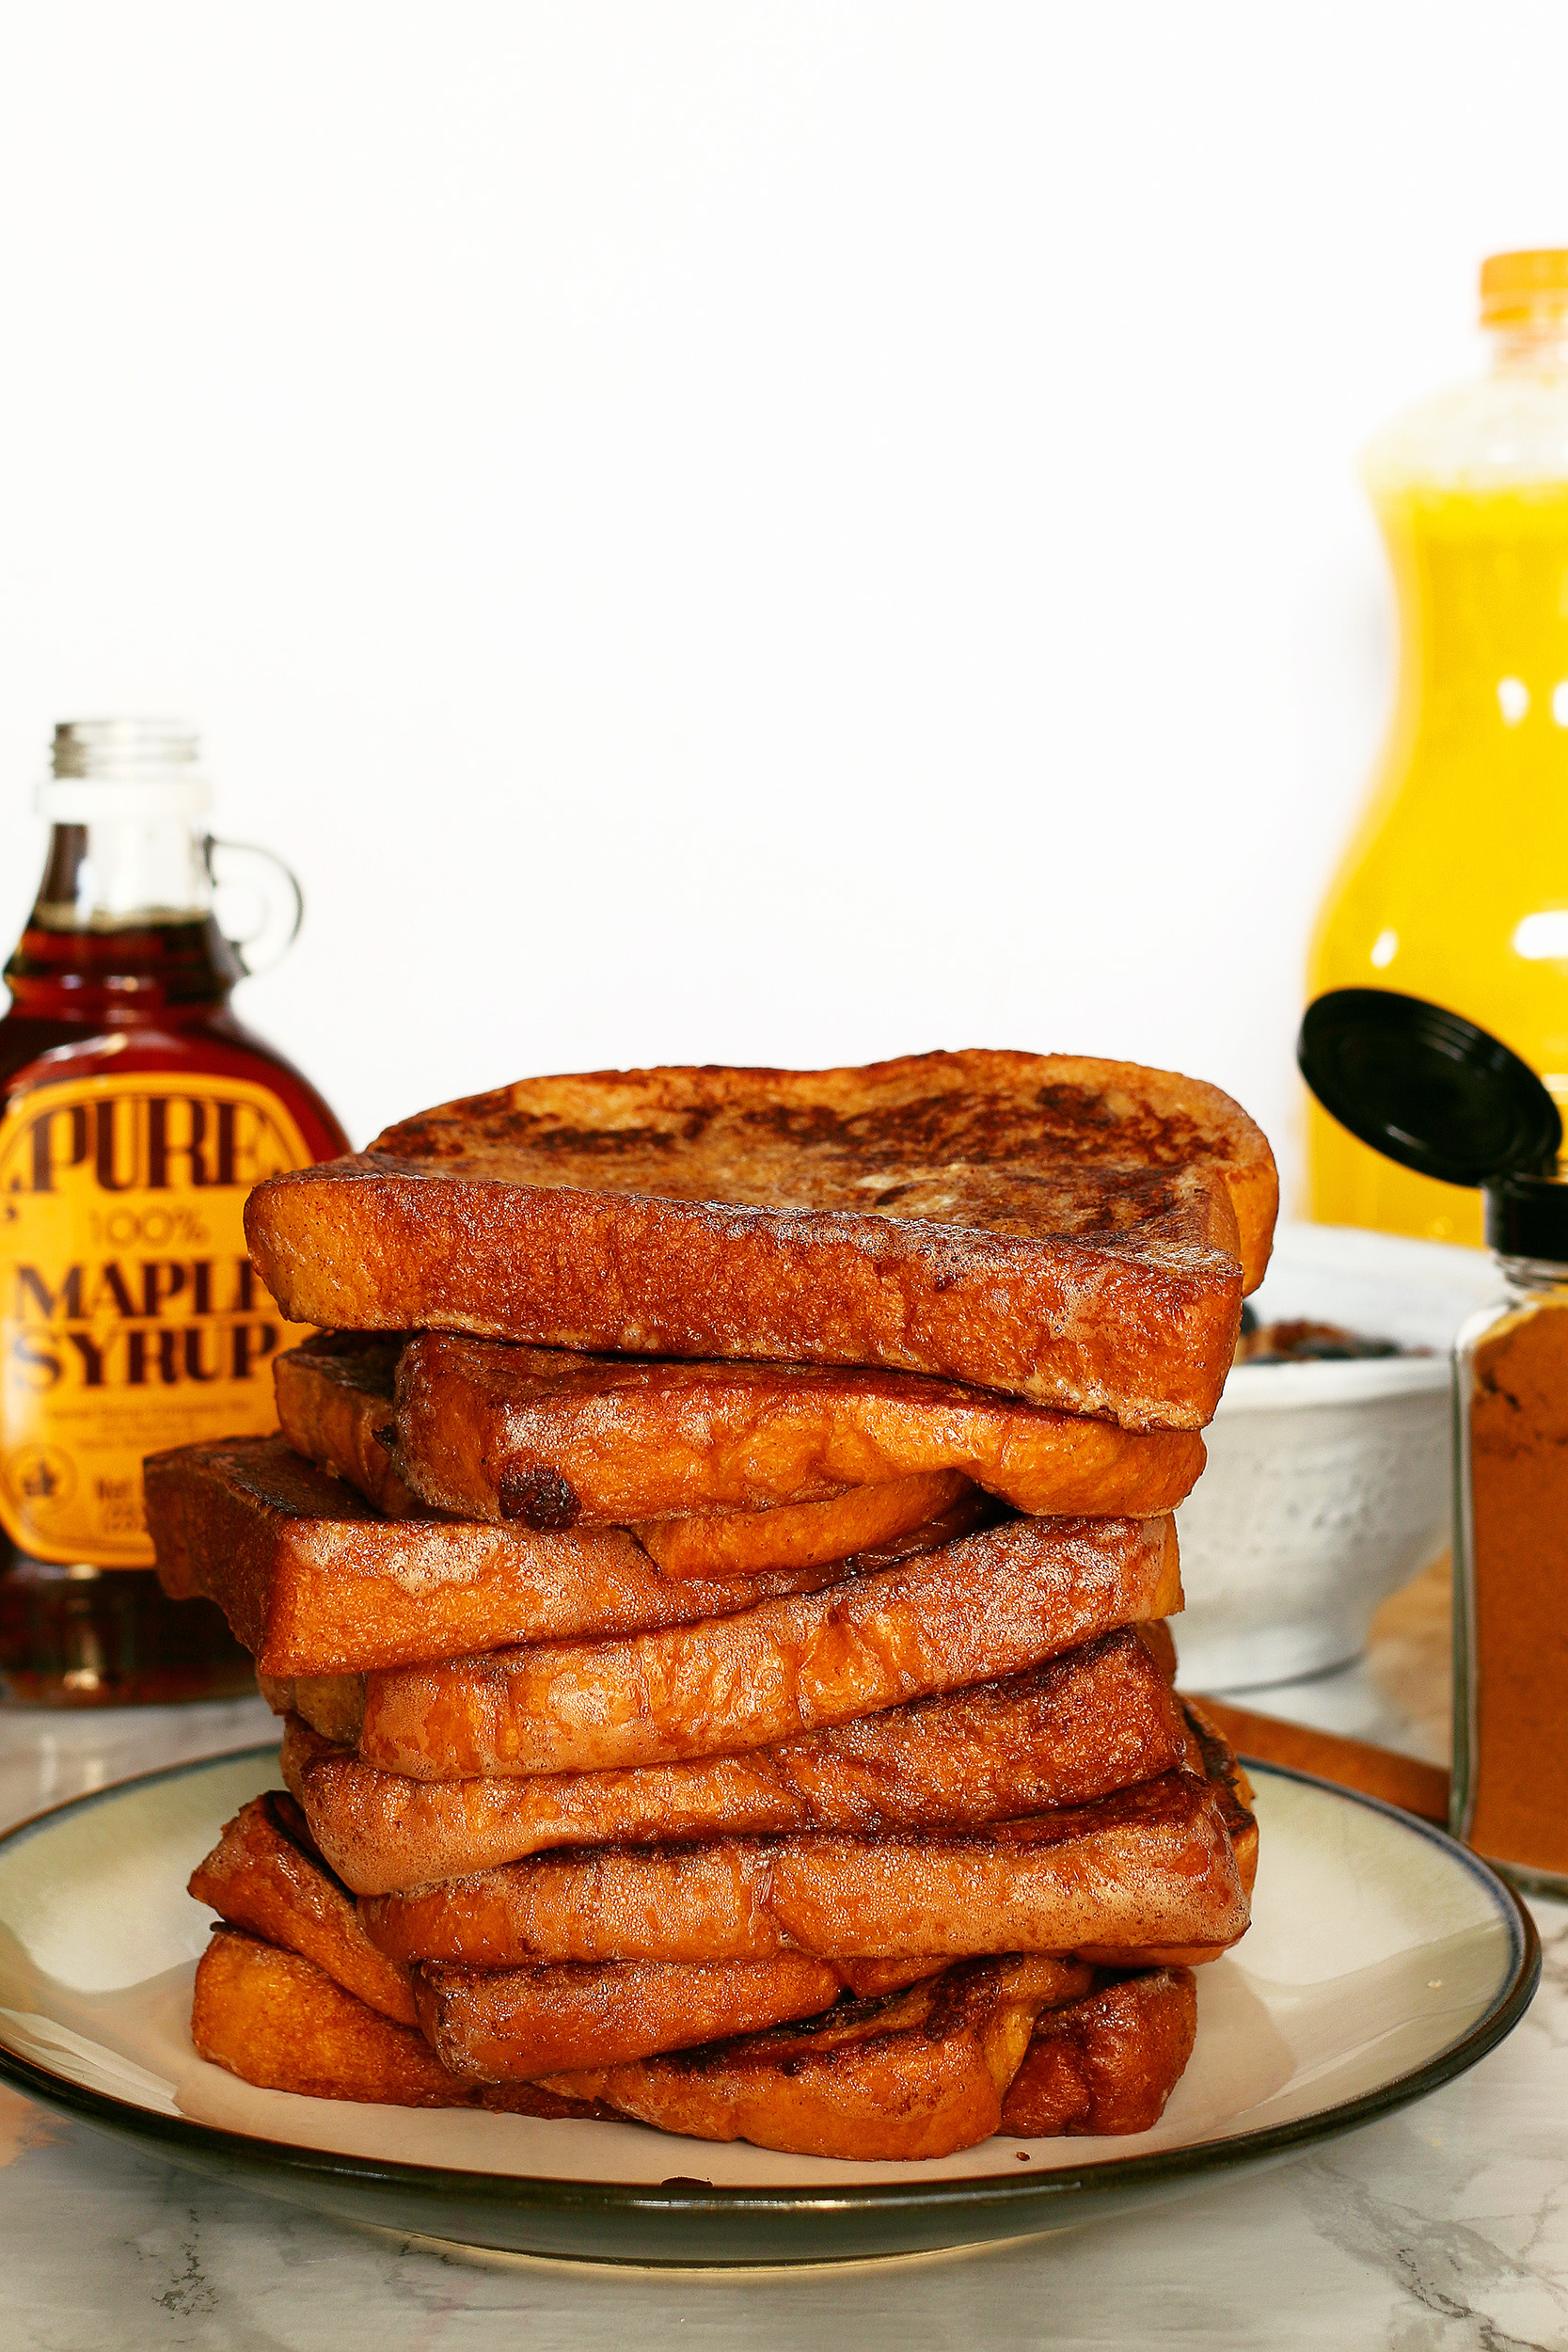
{"points": [[1428, 1089]]}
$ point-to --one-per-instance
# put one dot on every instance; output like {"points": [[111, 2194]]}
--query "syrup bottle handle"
{"points": [[268, 884]]}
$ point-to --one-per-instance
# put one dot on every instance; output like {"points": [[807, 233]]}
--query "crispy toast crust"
{"points": [[1109, 2062], [898, 2066], [919, 2074], [541, 1437], [983, 1607], [1073, 1231], [516, 2024], [335, 1406], [314, 1583], [1210, 1757], [335, 1403], [914, 2074], [1080, 1727], [1148, 1868], [277, 2020], [265, 1874], [809, 1536]]}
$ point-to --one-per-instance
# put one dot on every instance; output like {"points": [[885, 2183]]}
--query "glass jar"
{"points": [[1510, 1786]]}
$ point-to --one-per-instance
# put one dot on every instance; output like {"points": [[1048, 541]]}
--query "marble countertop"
{"points": [[1443, 2227]]}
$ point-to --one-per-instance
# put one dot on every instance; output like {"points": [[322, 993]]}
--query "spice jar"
{"points": [[1510, 1786], [1435, 1093]]}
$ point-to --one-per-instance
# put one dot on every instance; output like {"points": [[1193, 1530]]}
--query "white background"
{"points": [[768, 533]]}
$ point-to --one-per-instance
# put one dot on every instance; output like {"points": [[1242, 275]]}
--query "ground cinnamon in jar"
{"points": [[1517, 1603], [1440, 1097]]}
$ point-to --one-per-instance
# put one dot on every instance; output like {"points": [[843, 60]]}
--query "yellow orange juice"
{"points": [[1455, 885]]}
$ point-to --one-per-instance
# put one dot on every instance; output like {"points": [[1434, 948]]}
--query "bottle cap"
{"points": [[1526, 1216], [1428, 1089], [1516, 286]]}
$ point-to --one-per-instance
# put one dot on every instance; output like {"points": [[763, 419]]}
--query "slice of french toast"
{"points": [[541, 1437], [277, 2020], [334, 1404], [1079, 1728], [266, 1874], [985, 1606], [516, 2024], [1107, 2063], [334, 1704], [334, 1398], [1078, 1232], [919, 2074], [1150, 1867], [315, 1583]]}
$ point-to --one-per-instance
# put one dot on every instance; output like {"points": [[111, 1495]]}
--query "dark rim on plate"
{"points": [[124, 2117]]}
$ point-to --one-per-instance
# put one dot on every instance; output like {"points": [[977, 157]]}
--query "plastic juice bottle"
{"points": [[1455, 885], [136, 1113]]}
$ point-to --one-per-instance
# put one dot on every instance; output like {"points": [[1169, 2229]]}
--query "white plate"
{"points": [[1382, 1960]]}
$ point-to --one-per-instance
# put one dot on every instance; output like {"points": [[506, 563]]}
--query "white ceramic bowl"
{"points": [[1328, 1484]]}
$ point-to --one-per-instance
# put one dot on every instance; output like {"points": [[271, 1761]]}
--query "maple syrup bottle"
{"points": [[135, 1114]]}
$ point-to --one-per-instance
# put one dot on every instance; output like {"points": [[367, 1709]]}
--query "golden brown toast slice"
{"points": [[314, 1583], [544, 1438], [1158, 1639], [334, 1704], [515, 2025], [1148, 1868], [331, 1705], [985, 1606], [1079, 1728], [277, 2017], [920, 2074], [917, 2074], [1109, 2062], [335, 1402], [1066, 1732], [1078, 1232], [868, 1979], [805, 1535], [265, 1874], [1210, 1757], [279, 2021]]}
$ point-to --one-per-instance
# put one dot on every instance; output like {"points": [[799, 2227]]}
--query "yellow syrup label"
{"points": [[131, 1317]]}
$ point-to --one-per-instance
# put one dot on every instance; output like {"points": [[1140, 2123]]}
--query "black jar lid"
{"points": [[1526, 1216], [1429, 1091]]}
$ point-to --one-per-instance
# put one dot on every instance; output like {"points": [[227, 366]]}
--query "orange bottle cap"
{"points": [[1523, 285]]}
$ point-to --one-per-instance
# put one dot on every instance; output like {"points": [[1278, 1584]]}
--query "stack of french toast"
{"points": [[714, 1572]]}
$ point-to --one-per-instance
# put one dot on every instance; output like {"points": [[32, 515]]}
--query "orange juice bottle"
{"points": [[1455, 884]]}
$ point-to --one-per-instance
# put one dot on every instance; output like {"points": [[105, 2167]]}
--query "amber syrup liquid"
{"points": [[127, 1000]]}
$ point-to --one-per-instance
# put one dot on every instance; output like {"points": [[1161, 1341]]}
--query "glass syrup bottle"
{"points": [[136, 1113]]}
